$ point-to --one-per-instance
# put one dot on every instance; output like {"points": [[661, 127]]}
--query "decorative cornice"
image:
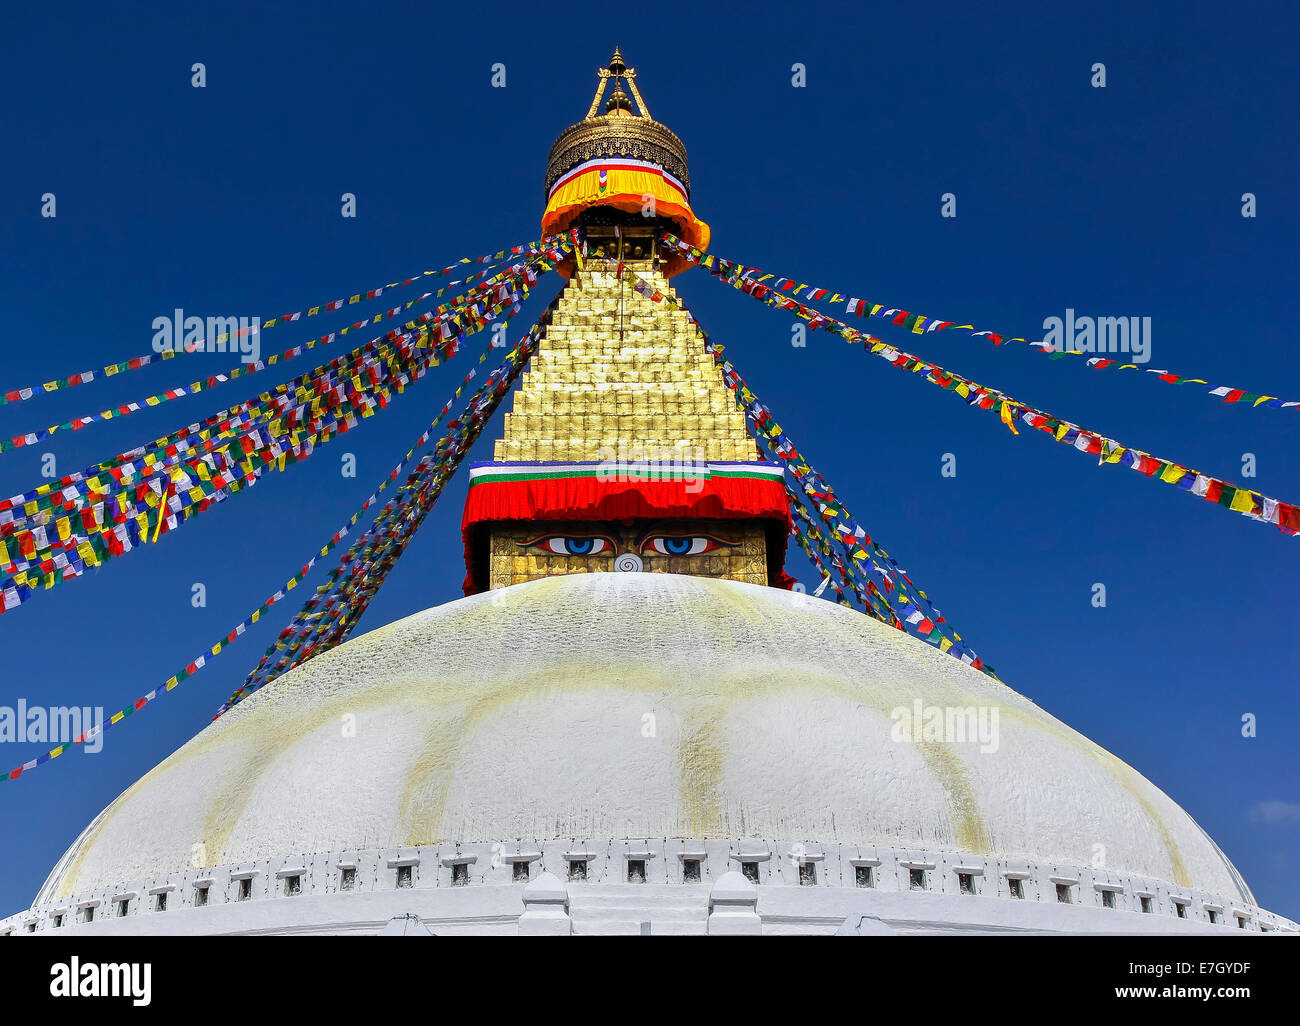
{"points": [[618, 136], [618, 132], [486, 900]]}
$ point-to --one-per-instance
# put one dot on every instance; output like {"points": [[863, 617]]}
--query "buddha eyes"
{"points": [[660, 544], [686, 545], [571, 545]]}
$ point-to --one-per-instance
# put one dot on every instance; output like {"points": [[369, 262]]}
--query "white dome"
{"points": [[635, 706]]}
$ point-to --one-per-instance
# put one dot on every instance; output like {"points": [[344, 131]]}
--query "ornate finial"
{"points": [[625, 126], [618, 101]]}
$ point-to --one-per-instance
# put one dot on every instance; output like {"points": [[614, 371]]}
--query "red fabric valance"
{"points": [[534, 493]]}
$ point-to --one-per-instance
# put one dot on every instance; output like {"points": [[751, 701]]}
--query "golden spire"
{"points": [[619, 130], [618, 101]]}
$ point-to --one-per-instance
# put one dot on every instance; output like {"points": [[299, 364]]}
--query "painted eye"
{"points": [[690, 545], [568, 545]]}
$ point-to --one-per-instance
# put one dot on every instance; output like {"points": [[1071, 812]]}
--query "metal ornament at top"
{"points": [[618, 132]]}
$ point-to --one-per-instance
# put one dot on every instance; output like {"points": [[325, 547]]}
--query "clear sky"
{"points": [[1116, 201]]}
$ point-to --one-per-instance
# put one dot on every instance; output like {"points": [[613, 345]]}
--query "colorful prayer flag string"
{"points": [[39, 510], [308, 386], [445, 322], [85, 377], [920, 324], [1265, 509], [32, 558], [883, 587], [185, 491], [212, 381]]}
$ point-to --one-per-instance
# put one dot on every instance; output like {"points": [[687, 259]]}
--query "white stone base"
{"points": [[722, 902]]}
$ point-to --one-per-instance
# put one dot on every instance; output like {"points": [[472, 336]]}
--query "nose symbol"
{"points": [[629, 562]]}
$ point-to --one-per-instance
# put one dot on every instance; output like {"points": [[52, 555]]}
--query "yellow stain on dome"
{"points": [[701, 752], [700, 760], [429, 780], [969, 831], [1123, 774]]}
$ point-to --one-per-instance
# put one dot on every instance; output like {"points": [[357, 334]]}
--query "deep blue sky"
{"points": [[1115, 201]]}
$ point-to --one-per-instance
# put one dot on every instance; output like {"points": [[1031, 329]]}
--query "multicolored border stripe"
{"points": [[665, 471], [606, 164]]}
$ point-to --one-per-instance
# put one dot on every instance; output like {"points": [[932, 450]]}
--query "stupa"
{"points": [[631, 723]]}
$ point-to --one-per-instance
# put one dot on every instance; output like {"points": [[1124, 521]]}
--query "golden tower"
{"points": [[622, 429]]}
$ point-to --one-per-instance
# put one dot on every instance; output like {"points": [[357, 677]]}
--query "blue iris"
{"points": [[579, 546], [678, 546]]}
